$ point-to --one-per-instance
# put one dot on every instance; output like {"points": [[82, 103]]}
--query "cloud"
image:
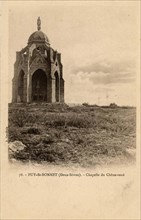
{"points": [[107, 72], [103, 90], [118, 78]]}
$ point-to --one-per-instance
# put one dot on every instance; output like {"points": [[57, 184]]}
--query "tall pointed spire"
{"points": [[38, 24]]}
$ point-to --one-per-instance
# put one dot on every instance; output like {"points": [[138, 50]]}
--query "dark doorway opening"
{"points": [[21, 86], [39, 86], [56, 87]]}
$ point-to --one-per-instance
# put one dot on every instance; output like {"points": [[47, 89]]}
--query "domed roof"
{"points": [[38, 36]]}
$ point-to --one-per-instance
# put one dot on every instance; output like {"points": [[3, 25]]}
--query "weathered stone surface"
{"points": [[15, 146], [131, 152]]}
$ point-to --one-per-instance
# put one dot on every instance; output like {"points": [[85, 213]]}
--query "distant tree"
{"points": [[113, 105], [85, 104]]}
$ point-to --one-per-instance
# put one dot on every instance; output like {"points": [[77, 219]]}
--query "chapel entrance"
{"points": [[39, 86]]}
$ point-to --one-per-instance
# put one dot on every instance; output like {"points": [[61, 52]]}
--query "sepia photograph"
{"points": [[73, 86], [71, 105]]}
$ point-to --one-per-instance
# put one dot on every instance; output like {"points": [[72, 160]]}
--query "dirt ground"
{"points": [[85, 135]]}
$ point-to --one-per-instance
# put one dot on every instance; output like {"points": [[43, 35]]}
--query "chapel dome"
{"points": [[38, 36]]}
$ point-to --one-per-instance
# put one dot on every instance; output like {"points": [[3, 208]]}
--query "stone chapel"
{"points": [[38, 71]]}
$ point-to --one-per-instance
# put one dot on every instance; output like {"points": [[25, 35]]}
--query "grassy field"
{"points": [[80, 135]]}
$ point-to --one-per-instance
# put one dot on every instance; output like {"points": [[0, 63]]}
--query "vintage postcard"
{"points": [[70, 110]]}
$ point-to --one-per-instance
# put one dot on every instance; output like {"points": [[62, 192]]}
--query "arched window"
{"points": [[56, 86], [21, 86]]}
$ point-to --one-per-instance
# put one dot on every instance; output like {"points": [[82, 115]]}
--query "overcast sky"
{"points": [[99, 43]]}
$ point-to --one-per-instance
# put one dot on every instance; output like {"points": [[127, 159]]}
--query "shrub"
{"points": [[13, 134], [48, 139], [113, 105], [55, 121], [22, 155], [85, 104], [19, 117], [78, 121], [43, 152], [31, 130], [79, 140], [73, 120]]}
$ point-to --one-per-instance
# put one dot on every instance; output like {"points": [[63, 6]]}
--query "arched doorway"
{"points": [[56, 86], [21, 86], [39, 86]]}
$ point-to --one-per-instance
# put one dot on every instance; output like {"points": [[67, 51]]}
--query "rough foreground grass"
{"points": [[86, 136]]}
